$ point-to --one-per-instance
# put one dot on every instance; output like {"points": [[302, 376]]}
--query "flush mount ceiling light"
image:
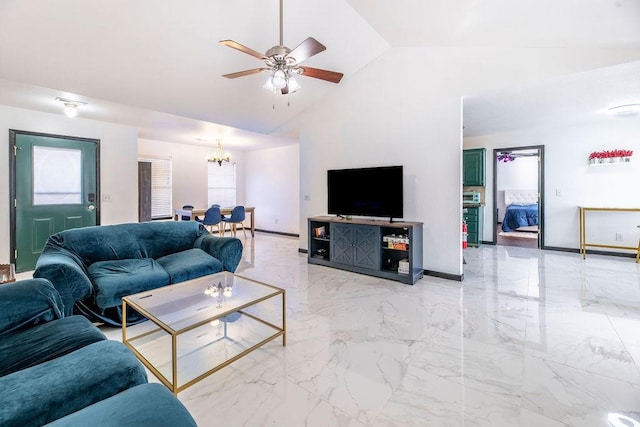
{"points": [[625, 110], [70, 106]]}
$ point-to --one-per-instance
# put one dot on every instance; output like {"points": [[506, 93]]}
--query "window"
{"points": [[222, 184], [57, 176], [161, 188]]}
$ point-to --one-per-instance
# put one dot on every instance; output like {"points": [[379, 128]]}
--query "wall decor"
{"points": [[610, 156]]}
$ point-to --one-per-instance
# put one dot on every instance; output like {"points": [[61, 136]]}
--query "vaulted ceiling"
{"points": [[157, 65]]}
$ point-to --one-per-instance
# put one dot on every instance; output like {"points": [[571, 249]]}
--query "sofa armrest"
{"points": [[27, 303], [226, 249], [69, 278]]}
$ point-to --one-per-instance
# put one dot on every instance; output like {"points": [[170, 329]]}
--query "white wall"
{"points": [[570, 181], [266, 179], [118, 162], [404, 108], [519, 174], [189, 166], [273, 186]]}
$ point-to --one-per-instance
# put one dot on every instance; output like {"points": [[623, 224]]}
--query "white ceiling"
{"points": [[505, 23], [578, 98], [157, 64]]}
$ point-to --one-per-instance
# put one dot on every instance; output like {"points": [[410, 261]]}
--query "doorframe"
{"points": [[12, 180], [541, 197]]}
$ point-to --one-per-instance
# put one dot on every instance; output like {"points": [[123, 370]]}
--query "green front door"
{"points": [[55, 188]]}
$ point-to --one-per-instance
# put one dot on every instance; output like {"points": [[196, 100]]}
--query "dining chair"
{"points": [[237, 217], [187, 217], [212, 217]]}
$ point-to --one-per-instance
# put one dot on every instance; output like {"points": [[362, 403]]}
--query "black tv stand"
{"points": [[376, 248]]}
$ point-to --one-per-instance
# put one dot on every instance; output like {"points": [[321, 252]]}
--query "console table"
{"points": [[583, 231]]}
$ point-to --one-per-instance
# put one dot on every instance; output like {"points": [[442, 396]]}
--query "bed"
{"points": [[521, 209]]}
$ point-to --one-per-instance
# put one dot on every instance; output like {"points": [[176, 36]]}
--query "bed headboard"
{"points": [[520, 197]]}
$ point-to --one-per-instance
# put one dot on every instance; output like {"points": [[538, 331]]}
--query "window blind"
{"points": [[161, 188]]}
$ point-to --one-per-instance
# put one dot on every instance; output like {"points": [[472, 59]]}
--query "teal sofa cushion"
{"points": [[59, 387], [32, 302], [115, 279], [189, 264], [31, 346], [147, 405]]}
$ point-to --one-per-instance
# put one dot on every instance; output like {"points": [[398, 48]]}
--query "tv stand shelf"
{"points": [[390, 250]]}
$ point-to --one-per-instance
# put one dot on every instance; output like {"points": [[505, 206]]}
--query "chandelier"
{"points": [[218, 157]]}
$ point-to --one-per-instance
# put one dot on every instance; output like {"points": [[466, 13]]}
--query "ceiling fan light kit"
{"points": [[284, 63]]}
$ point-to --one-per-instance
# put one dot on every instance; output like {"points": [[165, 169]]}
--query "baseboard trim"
{"points": [[590, 251], [280, 233], [561, 249], [456, 277]]}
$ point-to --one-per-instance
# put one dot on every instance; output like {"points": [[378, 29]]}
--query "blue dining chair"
{"points": [[185, 217], [237, 217], [212, 217]]}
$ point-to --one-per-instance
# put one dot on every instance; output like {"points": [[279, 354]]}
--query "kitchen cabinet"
{"points": [[473, 167], [474, 219]]}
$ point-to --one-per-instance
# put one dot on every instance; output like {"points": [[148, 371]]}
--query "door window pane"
{"points": [[57, 176]]}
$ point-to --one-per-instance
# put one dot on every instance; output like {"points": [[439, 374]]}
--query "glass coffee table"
{"points": [[198, 327]]}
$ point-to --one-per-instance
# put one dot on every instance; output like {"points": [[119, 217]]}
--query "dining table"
{"points": [[192, 213]]}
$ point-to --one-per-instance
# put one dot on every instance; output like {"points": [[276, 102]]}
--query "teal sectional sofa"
{"points": [[62, 369], [94, 267]]}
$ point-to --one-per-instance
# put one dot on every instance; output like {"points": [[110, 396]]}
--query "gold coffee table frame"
{"points": [[196, 318]]}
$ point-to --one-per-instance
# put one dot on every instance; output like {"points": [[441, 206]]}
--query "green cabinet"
{"points": [[473, 162], [474, 219]]}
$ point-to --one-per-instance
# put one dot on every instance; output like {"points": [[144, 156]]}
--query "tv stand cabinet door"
{"points": [[367, 247], [355, 245], [342, 249]]}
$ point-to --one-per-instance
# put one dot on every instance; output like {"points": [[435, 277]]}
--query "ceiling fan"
{"points": [[284, 63]]}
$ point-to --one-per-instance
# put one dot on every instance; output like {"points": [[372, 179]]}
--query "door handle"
{"points": [[91, 208]]}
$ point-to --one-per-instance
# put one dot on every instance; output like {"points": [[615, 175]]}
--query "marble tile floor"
{"points": [[529, 338]]}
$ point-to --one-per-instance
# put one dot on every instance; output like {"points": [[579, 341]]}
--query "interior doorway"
{"points": [[518, 196]]}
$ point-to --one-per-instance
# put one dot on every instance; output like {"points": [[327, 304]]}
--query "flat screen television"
{"points": [[373, 192]]}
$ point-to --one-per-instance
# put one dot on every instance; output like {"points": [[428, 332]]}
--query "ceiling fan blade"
{"points": [[306, 50], [244, 73], [317, 73], [242, 48]]}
